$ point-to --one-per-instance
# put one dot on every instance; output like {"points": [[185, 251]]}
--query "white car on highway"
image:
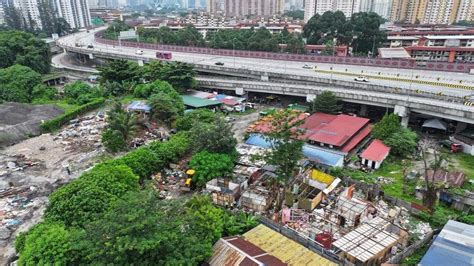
{"points": [[140, 52], [306, 66], [361, 78]]}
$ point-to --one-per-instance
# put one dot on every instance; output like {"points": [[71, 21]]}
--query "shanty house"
{"points": [[225, 192], [370, 243], [373, 156], [139, 107], [350, 211]]}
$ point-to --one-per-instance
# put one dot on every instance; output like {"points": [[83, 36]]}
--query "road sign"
{"points": [[129, 34]]}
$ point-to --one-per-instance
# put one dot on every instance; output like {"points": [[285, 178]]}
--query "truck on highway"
{"points": [[163, 55]]}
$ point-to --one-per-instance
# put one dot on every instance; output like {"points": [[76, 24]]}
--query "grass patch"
{"points": [[416, 257]]}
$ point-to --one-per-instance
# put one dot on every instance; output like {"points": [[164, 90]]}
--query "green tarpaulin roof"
{"points": [[196, 102]]}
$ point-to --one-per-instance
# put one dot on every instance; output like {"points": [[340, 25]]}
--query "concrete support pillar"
{"points": [[91, 56], [404, 113], [264, 77], [460, 127], [363, 110], [310, 97], [140, 62]]}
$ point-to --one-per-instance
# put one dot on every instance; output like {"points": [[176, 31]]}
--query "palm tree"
{"points": [[122, 122]]}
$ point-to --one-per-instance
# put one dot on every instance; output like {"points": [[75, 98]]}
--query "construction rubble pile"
{"points": [[83, 133]]}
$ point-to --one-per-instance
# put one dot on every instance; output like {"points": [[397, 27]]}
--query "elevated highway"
{"points": [[261, 76]]}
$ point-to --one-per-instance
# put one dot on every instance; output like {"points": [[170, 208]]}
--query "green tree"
{"points": [[125, 123], [216, 137], [79, 202], [24, 49], [180, 75], [295, 14], [326, 102], [190, 119], [163, 107], [295, 44], [81, 93], [286, 151], [366, 26], [430, 195], [17, 83], [113, 31], [402, 142], [46, 243], [210, 165], [42, 92], [155, 233], [119, 71], [113, 141], [389, 124], [115, 88]]}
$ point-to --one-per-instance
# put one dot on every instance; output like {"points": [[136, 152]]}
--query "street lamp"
{"points": [[233, 50]]}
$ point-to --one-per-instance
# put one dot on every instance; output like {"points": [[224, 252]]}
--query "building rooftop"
{"points": [[367, 240], [196, 102], [453, 246], [283, 248], [235, 250], [399, 52], [334, 130], [139, 106], [376, 151]]}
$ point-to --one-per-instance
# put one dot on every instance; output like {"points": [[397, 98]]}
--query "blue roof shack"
{"points": [[139, 107], [453, 246]]}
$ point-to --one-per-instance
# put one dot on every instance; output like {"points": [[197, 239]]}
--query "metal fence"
{"points": [[411, 249], [361, 61]]}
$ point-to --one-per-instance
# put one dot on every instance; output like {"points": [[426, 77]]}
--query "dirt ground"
{"points": [[19, 121], [241, 122], [32, 169]]}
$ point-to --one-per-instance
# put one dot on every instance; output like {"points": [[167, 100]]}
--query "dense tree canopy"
{"points": [[361, 31], [326, 102], [210, 165], [23, 48], [215, 137], [119, 70], [190, 119], [179, 75], [17, 83], [81, 93], [402, 141], [163, 107]]}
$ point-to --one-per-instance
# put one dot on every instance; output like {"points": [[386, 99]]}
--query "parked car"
{"points": [[139, 52], [452, 146], [361, 78], [90, 46], [306, 66], [218, 63]]}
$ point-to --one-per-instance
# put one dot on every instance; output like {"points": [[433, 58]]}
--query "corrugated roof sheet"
{"points": [[453, 246], [196, 102], [367, 240], [284, 248], [139, 106], [376, 151]]}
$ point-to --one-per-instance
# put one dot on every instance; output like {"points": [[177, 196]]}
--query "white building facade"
{"points": [[75, 12]]}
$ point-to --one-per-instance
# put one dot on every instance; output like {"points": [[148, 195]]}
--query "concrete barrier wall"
{"points": [[361, 61]]}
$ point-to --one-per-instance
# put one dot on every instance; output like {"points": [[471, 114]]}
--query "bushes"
{"points": [[210, 165], [57, 122], [113, 141], [93, 193], [143, 161], [80, 93]]}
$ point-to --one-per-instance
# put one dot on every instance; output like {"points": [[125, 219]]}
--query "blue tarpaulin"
{"points": [[311, 152]]}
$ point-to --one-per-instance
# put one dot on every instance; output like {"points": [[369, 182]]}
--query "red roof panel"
{"points": [[357, 139], [377, 151], [333, 130]]}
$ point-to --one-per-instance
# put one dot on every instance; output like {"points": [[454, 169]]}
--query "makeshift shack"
{"points": [[225, 192], [350, 211], [257, 198], [370, 243], [304, 196], [373, 156], [139, 107]]}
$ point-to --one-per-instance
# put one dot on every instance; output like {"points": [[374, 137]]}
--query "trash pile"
{"points": [[9, 164], [83, 133], [17, 205], [149, 136]]}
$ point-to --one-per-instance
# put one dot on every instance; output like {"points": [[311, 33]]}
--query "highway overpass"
{"points": [[437, 100]]}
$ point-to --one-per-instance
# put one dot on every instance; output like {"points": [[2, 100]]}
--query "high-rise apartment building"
{"points": [[2, 14], [348, 7], [381, 7], [432, 11], [29, 11], [440, 11], [309, 9], [213, 6], [242, 8], [465, 10], [75, 12]]}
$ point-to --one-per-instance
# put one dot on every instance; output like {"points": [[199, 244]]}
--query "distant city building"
{"points": [[381, 7], [431, 11], [243, 8], [348, 7], [2, 14], [309, 9], [75, 12], [466, 10], [29, 11], [294, 4], [213, 6]]}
